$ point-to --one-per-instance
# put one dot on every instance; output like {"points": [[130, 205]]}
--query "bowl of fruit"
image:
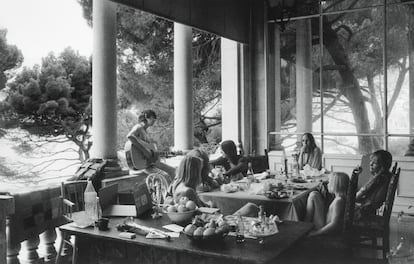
{"points": [[181, 212], [202, 230]]}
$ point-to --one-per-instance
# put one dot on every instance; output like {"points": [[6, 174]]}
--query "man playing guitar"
{"points": [[141, 152]]}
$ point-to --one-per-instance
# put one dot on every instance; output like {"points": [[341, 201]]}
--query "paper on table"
{"points": [[208, 210], [155, 235], [173, 234], [174, 228]]}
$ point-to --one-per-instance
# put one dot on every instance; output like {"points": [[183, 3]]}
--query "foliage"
{"points": [[145, 71], [353, 57], [10, 57], [53, 99]]}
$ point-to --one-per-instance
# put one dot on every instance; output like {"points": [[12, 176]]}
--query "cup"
{"points": [[103, 224]]}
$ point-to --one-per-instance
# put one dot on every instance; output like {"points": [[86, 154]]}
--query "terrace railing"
{"points": [[28, 222]]}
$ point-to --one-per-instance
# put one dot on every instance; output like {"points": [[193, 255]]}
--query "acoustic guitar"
{"points": [[135, 158]]}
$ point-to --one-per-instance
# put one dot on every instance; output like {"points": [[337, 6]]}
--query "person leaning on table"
{"points": [[309, 153], [187, 178], [235, 165], [372, 195], [207, 183]]}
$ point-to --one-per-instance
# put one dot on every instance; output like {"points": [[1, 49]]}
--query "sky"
{"points": [[38, 27]]}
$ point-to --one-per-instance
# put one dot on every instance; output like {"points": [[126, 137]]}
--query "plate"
{"points": [[298, 180], [299, 187], [276, 194]]}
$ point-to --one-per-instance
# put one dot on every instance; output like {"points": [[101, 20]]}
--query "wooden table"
{"points": [[292, 208], [96, 246]]}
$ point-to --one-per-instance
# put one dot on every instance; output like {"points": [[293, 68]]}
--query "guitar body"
{"points": [[135, 158]]}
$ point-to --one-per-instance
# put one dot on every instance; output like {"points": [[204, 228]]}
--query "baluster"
{"points": [[48, 239], [13, 247], [32, 245]]}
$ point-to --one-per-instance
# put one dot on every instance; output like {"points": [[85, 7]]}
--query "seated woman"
{"points": [[372, 195], [328, 221], [235, 165], [309, 153], [187, 178], [207, 183]]}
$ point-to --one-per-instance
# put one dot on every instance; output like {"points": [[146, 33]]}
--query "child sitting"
{"points": [[327, 221]]}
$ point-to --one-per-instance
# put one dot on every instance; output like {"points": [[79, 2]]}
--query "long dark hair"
{"points": [[229, 147], [145, 115], [312, 142]]}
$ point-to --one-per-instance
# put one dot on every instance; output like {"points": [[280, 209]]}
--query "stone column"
{"points": [[230, 95], [277, 87], [259, 85], [183, 90], [303, 76], [104, 97]]}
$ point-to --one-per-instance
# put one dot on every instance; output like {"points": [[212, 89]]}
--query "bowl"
{"points": [[181, 217], [217, 237]]}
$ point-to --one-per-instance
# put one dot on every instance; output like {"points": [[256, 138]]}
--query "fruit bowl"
{"points": [[216, 237], [207, 228], [181, 217]]}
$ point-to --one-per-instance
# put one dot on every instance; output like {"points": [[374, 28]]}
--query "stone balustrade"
{"points": [[28, 223]]}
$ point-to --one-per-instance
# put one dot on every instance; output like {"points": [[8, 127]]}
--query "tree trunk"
{"points": [[350, 88]]}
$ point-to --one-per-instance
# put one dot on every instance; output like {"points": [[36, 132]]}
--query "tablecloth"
{"points": [[35, 212], [292, 208]]}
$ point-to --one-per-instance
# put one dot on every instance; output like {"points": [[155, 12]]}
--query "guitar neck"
{"points": [[168, 153]]}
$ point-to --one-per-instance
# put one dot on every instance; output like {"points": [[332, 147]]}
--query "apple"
{"points": [[199, 231], [183, 200], [190, 205], [172, 209], [181, 208], [189, 229]]}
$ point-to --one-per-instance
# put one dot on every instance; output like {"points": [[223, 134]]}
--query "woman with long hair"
{"points": [[234, 164], [309, 154], [187, 178]]}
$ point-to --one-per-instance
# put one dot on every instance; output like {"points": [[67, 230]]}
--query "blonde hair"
{"points": [[338, 183], [189, 172]]}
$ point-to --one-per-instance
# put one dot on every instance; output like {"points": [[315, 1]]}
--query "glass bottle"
{"points": [[249, 174], [239, 230], [90, 198]]}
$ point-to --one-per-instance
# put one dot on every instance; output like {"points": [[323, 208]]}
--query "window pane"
{"points": [[400, 32], [299, 60], [346, 144], [340, 5], [398, 146], [352, 80]]}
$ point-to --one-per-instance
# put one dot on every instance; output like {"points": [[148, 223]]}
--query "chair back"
{"points": [[157, 185], [350, 201], [394, 168], [72, 193], [389, 200], [260, 163]]}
